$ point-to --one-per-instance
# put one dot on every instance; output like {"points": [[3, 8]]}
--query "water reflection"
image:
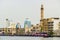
{"points": [[27, 38], [50, 38]]}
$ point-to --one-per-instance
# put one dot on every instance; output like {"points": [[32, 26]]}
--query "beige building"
{"points": [[12, 29], [26, 29], [44, 27], [57, 31], [43, 21], [35, 28]]}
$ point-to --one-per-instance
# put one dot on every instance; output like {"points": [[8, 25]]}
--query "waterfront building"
{"points": [[26, 29], [43, 25], [12, 28], [1, 31], [38, 28], [18, 26], [30, 29], [56, 26], [35, 28], [7, 24], [43, 21], [51, 25], [27, 25], [22, 31], [48, 25], [56, 23]]}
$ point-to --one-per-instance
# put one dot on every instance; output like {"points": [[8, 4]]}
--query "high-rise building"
{"points": [[27, 22], [27, 25]]}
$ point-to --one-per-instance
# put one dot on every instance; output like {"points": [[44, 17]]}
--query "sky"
{"points": [[19, 10]]}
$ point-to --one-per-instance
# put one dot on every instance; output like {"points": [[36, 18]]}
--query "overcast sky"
{"points": [[18, 10]]}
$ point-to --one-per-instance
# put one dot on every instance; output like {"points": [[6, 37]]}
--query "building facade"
{"points": [[27, 25]]}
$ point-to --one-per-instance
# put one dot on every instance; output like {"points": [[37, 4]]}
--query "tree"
{"points": [[50, 33]]}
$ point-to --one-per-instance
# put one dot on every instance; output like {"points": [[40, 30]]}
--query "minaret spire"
{"points": [[42, 12]]}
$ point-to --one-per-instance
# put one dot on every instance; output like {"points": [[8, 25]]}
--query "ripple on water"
{"points": [[27, 38]]}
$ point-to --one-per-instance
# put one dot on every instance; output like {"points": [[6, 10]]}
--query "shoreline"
{"points": [[29, 35]]}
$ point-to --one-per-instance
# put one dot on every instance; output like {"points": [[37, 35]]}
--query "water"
{"points": [[27, 38]]}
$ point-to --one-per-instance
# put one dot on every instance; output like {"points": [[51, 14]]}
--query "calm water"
{"points": [[27, 38]]}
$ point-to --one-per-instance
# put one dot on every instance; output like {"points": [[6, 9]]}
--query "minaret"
{"points": [[42, 17], [42, 12]]}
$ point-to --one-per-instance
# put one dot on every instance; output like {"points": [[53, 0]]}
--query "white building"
{"points": [[56, 23], [53, 25], [7, 23]]}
